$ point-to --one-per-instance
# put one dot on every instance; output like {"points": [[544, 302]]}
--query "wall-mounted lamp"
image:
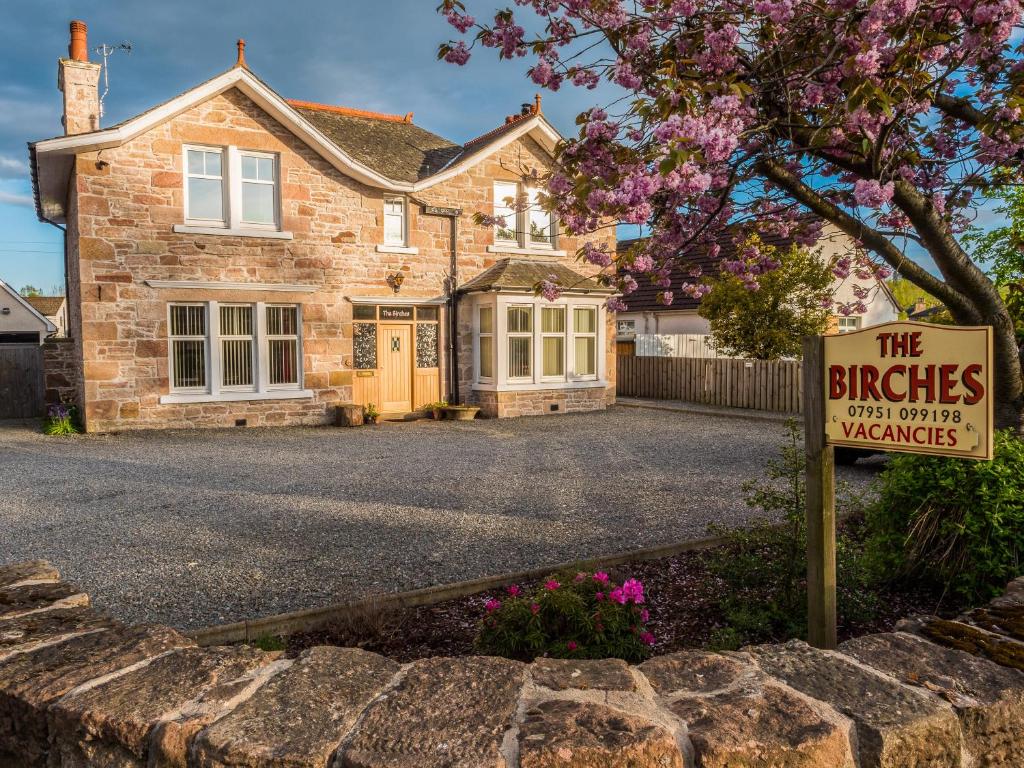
{"points": [[5, 311], [395, 281]]}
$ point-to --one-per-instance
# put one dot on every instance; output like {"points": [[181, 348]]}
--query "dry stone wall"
{"points": [[79, 689]]}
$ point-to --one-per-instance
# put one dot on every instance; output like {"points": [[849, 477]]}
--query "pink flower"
{"points": [[492, 605], [579, 577], [633, 590], [870, 194], [571, 645], [551, 585], [645, 615], [647, 638], [601, 577], [599, 596], [461, 21], [618, 596], [514, 590], [534, 609], [457, 54]]}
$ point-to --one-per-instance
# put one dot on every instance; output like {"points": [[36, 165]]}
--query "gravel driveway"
{"points": [[194, 528]]}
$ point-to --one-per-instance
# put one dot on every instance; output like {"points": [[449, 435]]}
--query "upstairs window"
{"points": [[526, 223], [848, 324], [259, 189], [394, 221], [232, 188], [204, 186]]}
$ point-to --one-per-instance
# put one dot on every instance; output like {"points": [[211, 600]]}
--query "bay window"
{"points": [[234, 351], [525, 342]]}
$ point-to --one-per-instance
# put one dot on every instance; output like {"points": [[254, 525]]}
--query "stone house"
{"points": [[237, 258]]}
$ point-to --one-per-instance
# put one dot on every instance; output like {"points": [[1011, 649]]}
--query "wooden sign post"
{"points": [[911, 387]]}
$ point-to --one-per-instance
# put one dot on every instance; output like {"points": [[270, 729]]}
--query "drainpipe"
{"points": [[452, 214]]}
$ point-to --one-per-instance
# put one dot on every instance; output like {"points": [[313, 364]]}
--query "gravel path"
{"points": [[194, 528]]}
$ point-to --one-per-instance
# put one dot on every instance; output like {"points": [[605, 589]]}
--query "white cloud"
{"points": [[12, 167], [12, 198]]}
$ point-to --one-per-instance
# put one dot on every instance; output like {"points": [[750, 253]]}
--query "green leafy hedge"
{"points": [[955, 522]]}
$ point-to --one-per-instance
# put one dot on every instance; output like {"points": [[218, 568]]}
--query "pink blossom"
{"points": [[534, 608], [599, 596], [514, 590], [633, 590], [492, 605], [551, 585], [571, 645], [461, 21], [870, 194], [645, 615], [457, 54], [647, 638], [618, 596], [601, 577]]}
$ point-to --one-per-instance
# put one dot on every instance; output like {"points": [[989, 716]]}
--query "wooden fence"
{"points": [[767, 385], [676, 345], [21, 381]]}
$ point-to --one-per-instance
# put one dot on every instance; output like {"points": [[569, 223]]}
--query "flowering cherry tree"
{"points": [[888, 118]]}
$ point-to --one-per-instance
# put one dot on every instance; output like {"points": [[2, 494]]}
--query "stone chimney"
{"points": [[78, 79]]}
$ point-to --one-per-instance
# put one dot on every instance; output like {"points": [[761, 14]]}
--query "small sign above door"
{"points": [[396, 313]]}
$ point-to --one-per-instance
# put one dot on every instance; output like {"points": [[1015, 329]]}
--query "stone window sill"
{"points": [[404, 249], [176, 398], [272, 234], [514, 250]]}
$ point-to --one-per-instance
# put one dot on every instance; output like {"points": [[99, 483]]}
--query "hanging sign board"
{"points": [[912, 387]]}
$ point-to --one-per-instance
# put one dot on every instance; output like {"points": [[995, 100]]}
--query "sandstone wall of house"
{"points": [[126, 200], [61, 372], [78, 689]]}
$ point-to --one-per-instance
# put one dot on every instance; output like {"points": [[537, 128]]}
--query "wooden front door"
{"points": [[394, 356]]}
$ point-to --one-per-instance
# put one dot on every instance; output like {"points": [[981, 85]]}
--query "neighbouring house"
{"points": [[645, 315], [235, 257], [20, 321], [54, 309]]}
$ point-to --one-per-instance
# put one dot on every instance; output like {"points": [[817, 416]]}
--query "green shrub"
{"points": [[763, 567], [61, 419], [952, 522], [587, 617]]}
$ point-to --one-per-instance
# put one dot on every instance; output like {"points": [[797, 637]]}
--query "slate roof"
{"points": [[645, 297], [397, 149], [522, 274], [46, 305]]}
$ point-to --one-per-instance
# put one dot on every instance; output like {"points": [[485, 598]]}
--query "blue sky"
{"points": [[372, 55]]}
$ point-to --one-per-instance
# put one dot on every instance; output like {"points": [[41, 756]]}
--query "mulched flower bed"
{"points": [[682, 595]]}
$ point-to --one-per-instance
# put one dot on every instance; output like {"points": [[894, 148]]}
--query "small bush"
{"points": [[951, 522], [587, 617], [61, 419], [763, 567]]}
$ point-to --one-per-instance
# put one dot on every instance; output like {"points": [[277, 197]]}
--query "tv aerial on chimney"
{"points": [[106, 51]]}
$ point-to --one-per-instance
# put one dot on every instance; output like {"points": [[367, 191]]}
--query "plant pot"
{"points": [[437, 413], [462, 412], [371, 420]]}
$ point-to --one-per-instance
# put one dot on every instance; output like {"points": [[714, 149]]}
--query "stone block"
{"points": [[897, 726], [301, 715], [572, 734], [349, 415], [112, 723], [31, 682], [453, 713], [29, 570], [988, 699], [999, 648], [16, 600], [35, 629], [568, 674], [694, 672], [166, 179]]}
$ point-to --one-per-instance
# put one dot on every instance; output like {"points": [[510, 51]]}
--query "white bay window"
{"points": [[234, 351], [523, 342]]}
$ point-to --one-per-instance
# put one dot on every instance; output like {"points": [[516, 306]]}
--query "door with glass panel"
{"points": [[395, 358]]}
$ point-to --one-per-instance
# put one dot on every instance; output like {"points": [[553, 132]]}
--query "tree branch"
{"points": [[961, 109], [861, 232]]}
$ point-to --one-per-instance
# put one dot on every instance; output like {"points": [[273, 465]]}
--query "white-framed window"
{"points": [[625, 327], [259, 188], [282, 345], [519, 330], [187, 331], [584, 333], [204, 185], [232, 188], [485, 343], [527, 224], [395, 225], [552, 340], [222, 349], [848, 324], [236, 333]]}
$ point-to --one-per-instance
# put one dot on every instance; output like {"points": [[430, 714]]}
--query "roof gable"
{"points": [[48, 306], [392, 155], [21, 300]]}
